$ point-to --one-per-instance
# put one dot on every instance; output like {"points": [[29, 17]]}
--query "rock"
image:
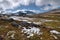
{"points": [[24, 24], [14, 24], [34, 25], [28, 27]]}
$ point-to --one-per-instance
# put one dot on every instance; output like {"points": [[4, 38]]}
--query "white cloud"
{"points": [[41, 2], [54, 3], [10, 4], [1, 0], [36, 11], [25, 2], [6, 4], [19, 10], [23, 10], [44, 2]]}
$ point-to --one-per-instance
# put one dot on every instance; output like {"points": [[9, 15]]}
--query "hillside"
{"points": [[44, 26]]}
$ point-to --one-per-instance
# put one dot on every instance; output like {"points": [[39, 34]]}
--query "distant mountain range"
{"points": [[29, 13], [55, 12], [52, 12], [24, 13], [20, 13]]}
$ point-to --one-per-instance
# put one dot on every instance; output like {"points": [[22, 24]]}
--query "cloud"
{"points": [[25, 2], [22, 10], [11, 4], [44, 2], [36, 11], [8, 4], [54, 4], [41, 2]]}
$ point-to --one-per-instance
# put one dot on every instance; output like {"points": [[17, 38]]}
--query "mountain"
{"points": [[21, 13], [30, 12], [25, 13], [51, 13]]}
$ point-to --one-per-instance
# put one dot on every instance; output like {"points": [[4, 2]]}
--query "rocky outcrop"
{"points": [[7, 19], [14, 24], [24, 24]]}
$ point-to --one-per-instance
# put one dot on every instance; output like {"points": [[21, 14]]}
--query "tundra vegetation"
{"points": [[37, 28]]}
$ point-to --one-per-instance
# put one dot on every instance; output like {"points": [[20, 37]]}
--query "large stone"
{"points": [[34, 25], [24, 24], [14, 24]]}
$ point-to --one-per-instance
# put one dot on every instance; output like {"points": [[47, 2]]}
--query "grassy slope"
{"points": [[6, 26]]}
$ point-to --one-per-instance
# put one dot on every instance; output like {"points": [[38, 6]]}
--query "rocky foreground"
{"points": [[19, 28]]}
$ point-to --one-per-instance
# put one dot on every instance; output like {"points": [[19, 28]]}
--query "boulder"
{"points": [[14, 24], [34, 25], [24, 24]]}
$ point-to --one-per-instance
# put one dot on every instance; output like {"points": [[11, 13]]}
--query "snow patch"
{"points": [[54, 31], [31, 31]]}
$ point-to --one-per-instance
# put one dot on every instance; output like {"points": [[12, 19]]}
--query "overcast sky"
{"points": [[32, 5]]}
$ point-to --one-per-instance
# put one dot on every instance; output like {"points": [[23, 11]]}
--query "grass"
{"points": [[20, 36], [53, 24]]}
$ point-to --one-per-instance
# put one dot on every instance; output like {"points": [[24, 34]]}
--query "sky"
{"points": [[38, 6]]}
